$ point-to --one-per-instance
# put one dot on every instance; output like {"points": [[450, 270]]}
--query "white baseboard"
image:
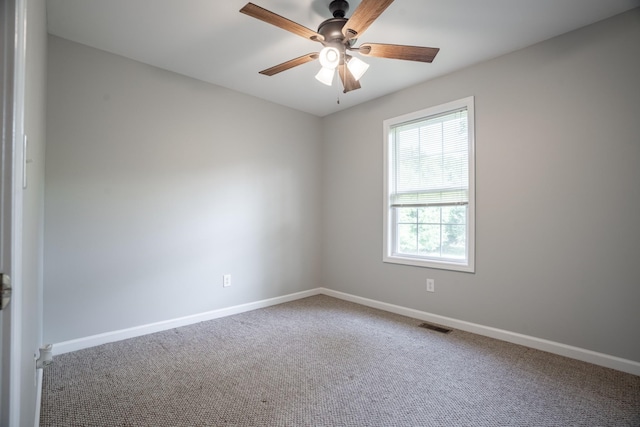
{"points": [[577, 353], [596, 358], [123, 334]]}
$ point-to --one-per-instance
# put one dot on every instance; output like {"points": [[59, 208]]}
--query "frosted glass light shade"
{"points": [[329, 57], [357, 67], [325, 75]]}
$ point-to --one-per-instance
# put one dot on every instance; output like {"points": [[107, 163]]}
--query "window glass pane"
{"points": [[454, 214], [429, 215], [407, 215], [454, 241], [429, 240], [407, 235], [438, 232]]}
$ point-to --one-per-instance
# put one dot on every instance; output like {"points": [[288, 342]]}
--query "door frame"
{"points": [[12, 65], [7, 23]]}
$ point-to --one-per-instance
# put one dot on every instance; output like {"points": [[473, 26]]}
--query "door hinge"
{"points": [[5, 290]]}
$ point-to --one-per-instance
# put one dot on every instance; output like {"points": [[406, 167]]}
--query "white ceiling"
{"points": [[211, 41]]}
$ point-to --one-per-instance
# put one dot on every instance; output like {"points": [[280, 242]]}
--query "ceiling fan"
{"points": [[338, 36]]}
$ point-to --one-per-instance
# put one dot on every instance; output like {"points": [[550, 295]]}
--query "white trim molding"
{"points": [[601, 359], [123, 334]]}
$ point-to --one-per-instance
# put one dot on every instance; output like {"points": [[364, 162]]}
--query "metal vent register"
{"points": [[434, 327]]}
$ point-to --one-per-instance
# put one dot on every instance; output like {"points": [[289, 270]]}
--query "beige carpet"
{"points": [[321, 361]]}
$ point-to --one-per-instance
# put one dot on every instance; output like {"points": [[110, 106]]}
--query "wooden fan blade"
{"points": [[395, 51], [280, 21], [348, 81], [290, 64], [364, 15]]}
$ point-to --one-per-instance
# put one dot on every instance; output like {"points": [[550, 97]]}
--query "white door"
{"points": [[7, 54]]}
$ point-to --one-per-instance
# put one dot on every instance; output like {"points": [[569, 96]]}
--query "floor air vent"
{"points": [[436, 328]]}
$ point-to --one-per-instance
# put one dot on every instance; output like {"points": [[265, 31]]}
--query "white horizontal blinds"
{"points": [[431, 161]]}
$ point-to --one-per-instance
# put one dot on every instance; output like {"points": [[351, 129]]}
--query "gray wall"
{"points": [[157, 185], [558, 193]]}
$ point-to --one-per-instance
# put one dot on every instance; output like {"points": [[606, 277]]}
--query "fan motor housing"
{"points": [[331, 30]]}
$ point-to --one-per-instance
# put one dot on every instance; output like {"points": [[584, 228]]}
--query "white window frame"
{"points": [[466, 265]]}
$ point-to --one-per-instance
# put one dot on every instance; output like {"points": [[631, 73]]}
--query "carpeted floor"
{"points": [[321, 361]]}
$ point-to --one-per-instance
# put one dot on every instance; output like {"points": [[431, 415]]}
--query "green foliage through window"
{"points": [[432, 231]]}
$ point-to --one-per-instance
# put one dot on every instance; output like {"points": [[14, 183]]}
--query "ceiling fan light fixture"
{"points": [[339, 35], [357, 67], [325, 75], [329, 57]]}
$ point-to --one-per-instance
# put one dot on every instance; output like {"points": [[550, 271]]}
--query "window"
{"points": [[429, 190]]}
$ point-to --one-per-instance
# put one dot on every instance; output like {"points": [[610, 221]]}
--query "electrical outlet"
{"points": [[226, 280], [431, 285]]}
